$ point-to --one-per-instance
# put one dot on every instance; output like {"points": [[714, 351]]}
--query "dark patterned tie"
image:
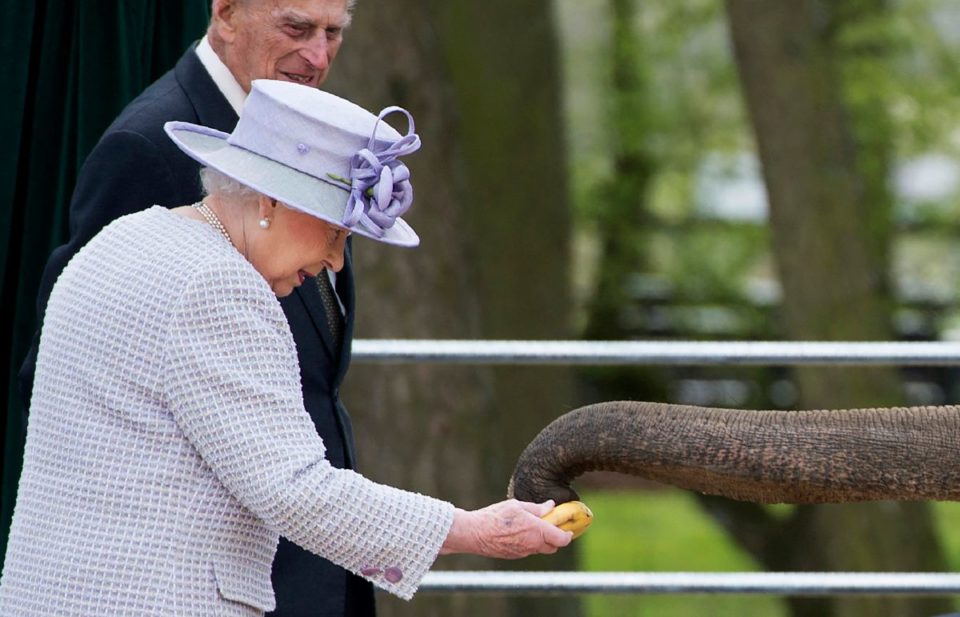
{"points": [[331, 307]]}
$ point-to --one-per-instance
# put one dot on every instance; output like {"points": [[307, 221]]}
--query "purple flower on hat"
{"points": [[380, 189]]}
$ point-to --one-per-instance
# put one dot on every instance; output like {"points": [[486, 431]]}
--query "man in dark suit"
{"points": [[135, 166]]}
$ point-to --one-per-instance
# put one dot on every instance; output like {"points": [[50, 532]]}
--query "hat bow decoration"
{"points": [[380, 189]]}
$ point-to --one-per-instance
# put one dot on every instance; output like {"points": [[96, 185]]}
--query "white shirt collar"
{"points": [[221, 75]]}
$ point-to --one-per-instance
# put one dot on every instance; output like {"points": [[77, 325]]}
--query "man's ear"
{"points": [[223, 19]]}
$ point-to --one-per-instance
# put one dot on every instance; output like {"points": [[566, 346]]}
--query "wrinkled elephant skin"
{"points": [[828, 456]]}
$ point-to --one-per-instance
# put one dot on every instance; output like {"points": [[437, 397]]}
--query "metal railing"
{"points": [[656, 352], [751, 583], [673, 353]]}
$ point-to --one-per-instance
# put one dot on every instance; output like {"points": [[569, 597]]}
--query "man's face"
{"points": [[289, 40]]}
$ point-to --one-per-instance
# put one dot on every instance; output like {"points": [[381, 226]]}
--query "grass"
{"points": [[948, 524], [665, 531]]}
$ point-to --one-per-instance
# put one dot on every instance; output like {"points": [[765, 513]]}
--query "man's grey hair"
{"points": [[218, 184], [350, 6]]}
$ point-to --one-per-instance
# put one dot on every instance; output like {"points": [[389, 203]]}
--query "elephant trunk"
{"points": [[828, 456]]}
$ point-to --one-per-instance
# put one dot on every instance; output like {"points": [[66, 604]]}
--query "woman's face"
{"points": [[295, 246]]}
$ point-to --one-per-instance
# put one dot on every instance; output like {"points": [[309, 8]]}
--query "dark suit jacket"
{"points": [[135, 165]]}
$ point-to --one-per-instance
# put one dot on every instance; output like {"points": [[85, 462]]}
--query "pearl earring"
{"points": [[264, 223]]}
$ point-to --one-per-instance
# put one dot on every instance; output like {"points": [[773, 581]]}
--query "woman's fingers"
{"points": [[555, 537], [537, 509]]}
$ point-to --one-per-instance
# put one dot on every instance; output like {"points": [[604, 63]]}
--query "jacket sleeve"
{"points": [[124, 173], [234, 390]]}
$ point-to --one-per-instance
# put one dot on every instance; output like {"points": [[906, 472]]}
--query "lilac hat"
{"points": [[317, 153]]}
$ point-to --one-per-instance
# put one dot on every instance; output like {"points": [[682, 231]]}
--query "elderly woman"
{"points": [[168, 444]]}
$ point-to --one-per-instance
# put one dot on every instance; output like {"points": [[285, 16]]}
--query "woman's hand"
{"points": [[507, 530]]}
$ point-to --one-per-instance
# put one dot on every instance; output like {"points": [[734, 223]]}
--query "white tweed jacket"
{"points": [[168, 445]]}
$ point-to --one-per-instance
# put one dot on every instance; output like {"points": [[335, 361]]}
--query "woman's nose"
{"points": [[336, 257]]}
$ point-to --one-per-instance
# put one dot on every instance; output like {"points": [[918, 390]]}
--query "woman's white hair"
{"points": [[218, 184]]}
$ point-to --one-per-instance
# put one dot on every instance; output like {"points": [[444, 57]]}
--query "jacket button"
{"points": [[370, 571], [393, 574]]}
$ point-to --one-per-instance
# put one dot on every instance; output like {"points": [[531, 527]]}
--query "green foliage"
{"points": [[657, 530], [679, 106], [665, 531], [710, 260], [922, 80], [668, 92], [948, 524]]}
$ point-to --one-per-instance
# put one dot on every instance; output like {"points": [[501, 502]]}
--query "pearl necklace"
{"points": [[211, 218]]}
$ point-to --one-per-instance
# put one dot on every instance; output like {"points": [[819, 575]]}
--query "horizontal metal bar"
{"points": [[772, 583], [762, 353]]}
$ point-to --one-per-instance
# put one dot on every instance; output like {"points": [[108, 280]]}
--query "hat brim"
{"points": [[294, 188]]}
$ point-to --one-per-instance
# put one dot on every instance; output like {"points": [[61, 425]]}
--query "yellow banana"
{"points": [[572, 516]]}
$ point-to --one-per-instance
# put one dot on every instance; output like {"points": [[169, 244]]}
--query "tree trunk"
{"points": [[491, 209], [825, 233], [621, 217]]}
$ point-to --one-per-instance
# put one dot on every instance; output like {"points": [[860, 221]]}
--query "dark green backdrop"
{"points": [[68, 68]]}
